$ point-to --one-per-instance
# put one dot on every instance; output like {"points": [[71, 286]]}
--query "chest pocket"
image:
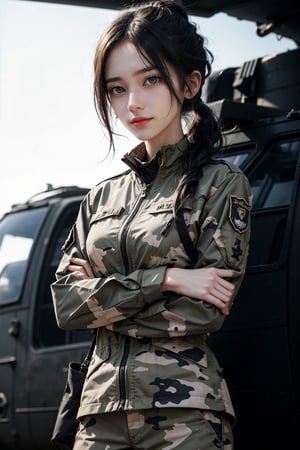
{"points": [[106, 213]]}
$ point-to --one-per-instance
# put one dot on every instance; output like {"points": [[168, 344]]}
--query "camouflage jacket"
{"points": [[156, 355]]}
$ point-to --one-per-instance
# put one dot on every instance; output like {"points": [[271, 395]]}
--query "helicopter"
{"points": [[258, 105]]}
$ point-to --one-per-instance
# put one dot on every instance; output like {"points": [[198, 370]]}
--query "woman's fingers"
{"points": [[224, 273], [220, 292], [208, 284], [81, 268], [222, 299], [79, 271], [222, 306], [225, 291]]}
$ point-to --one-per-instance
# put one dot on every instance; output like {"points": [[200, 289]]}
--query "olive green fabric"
{"points": [[157, 355], [155, 429]]}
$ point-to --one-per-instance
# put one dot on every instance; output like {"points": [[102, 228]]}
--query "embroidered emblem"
{"points": [[236, 250], [70, 240], [239, 211]]}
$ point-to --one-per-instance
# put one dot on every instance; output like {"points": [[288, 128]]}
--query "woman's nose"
{"points": [[134, 102]]}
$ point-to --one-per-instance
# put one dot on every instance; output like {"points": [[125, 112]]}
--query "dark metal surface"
{"points": [[276, 16]]}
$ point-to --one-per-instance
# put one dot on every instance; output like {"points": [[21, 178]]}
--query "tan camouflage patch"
{"points": [[102, 317], [212, 191], [97, 255], [218, 239], [135, 420], [177, 325], [152, 240], [141, 369], [177, 435], [176, 254], [154, 359], [132, 332], [191, 218]]}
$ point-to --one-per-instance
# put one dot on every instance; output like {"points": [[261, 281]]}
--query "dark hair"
{"points": [[162, 33]]}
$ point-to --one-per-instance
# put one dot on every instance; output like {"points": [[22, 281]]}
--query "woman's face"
{"points": [[142, 100]]}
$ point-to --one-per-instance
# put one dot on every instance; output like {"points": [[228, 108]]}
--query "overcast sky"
{"points": [[49, 131]]}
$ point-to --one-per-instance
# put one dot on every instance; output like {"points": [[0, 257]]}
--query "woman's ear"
{"points": [[193, 84]]}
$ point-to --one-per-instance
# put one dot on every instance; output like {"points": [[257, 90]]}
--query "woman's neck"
{"points": [[153, 147]]}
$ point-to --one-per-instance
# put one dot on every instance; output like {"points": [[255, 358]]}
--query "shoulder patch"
{"points": [[70, 240], [239, 212]]}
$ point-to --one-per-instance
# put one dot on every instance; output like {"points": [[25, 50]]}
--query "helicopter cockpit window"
{"points": [[237, 159], [17, 235], [273, 179]]}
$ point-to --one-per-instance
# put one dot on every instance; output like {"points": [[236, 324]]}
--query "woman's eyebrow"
{"points": [[138, 72]]}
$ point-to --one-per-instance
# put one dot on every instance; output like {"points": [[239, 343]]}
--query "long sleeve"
{"points": [[223, 243], [96, 302]]}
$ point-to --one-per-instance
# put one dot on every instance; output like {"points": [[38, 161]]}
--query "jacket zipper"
{"points": [[123, 235], [126, 224]]}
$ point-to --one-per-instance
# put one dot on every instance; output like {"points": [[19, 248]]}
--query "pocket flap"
{"points": [[107, 212]]}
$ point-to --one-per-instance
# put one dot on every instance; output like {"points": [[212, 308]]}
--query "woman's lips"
{"points": [[141, 121]]}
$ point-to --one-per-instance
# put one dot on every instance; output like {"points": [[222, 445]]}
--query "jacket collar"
{"points": [[165, 157]]}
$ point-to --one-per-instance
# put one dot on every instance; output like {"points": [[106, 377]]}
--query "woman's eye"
{"points": [[116, 90], [152, 80]]}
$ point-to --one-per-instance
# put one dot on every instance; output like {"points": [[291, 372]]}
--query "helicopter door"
{"points": [[17, 234], [52, 348]]}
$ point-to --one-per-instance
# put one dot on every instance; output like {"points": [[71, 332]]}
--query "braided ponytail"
{"points": [[205, 141]]}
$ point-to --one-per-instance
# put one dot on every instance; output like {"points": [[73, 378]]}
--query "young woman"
{"points": [[127, 268]]}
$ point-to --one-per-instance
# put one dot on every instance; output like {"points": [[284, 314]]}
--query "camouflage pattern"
{"points": [[162, 429], [157, 355]]}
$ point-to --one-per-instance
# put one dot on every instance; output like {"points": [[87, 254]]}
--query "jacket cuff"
{"points": [[150, 285]]}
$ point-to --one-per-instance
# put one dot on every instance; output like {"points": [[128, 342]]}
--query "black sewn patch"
{"points": [[239, 212], [70, 240], [237, 252]]}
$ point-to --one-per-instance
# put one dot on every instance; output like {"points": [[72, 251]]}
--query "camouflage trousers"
{"points": [[155, 429]]}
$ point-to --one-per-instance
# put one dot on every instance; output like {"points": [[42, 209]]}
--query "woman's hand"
{"points": [[206, 284], [81, 268]]}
